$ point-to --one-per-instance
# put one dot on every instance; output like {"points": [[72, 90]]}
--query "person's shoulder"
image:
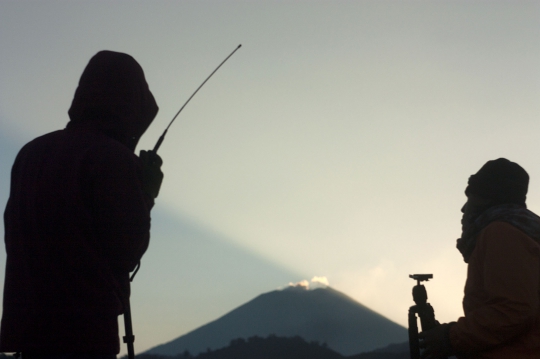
{"points": [[501, 228], [504, 232], [44, 139], [497, 226], [77, 140], [39, 145]]}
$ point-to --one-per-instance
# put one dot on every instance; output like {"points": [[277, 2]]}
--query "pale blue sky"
{"points": [[336, 142]]}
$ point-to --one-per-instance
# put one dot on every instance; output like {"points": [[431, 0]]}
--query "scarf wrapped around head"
{"points": [[503, 184], [500, 181], [514, 214]]}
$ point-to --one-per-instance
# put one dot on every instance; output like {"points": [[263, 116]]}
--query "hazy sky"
{"points": [[336, 142]]}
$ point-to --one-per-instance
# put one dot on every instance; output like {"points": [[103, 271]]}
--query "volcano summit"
{"points": [[323, 314]]}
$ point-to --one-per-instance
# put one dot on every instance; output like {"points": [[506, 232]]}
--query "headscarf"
{"points": [[503, 184], [500, 181]]}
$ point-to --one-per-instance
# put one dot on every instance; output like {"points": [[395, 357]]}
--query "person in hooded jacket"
{"points": [[501, 244], [77, 221]]}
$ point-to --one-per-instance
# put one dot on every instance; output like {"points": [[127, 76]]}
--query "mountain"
{"points": [[323, 315]]}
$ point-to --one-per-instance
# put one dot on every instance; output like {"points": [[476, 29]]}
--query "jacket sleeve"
{"points": [[121, 209], [504, 303]]}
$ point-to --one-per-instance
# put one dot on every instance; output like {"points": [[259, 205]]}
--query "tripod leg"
{"points": [[414, 344], [129, 338]]}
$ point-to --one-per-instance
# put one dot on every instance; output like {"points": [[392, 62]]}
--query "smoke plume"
{"points": [[316, 282]]}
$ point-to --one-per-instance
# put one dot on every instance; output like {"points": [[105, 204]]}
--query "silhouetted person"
{"points": [[501, 244], [78, 218]]}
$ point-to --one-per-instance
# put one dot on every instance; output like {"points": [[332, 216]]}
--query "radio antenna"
{"points": [[162, 137]]}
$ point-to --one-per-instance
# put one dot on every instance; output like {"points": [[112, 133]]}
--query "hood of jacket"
{"points": [[113, 97]]}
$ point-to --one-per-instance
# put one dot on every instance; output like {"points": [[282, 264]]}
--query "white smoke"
{"points": [[320, 282], [303, 284], [316, 282]]}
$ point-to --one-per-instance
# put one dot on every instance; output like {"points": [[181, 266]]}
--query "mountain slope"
{"points": [[323, 315]]}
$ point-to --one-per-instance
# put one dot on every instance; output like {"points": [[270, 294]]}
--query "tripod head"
{"points": [[421, 277], [419, 291]]}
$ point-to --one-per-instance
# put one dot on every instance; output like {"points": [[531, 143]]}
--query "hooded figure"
{"points": [[78, 217], [113, 96]]}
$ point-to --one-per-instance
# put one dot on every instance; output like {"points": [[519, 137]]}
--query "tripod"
{"points": [[423, 309]]}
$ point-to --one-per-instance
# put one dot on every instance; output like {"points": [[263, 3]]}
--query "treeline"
{"points": [[274, 347], [256, 347]]}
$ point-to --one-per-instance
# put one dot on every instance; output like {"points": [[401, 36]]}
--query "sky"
{"points": [[336, 142]]}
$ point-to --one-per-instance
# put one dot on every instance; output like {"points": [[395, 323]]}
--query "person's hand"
{"points": [[152, 175], [436, 342]]}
